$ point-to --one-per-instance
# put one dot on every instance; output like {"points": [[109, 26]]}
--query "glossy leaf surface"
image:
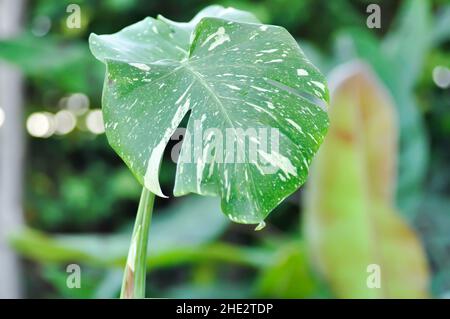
{"points": [[246, 85]]}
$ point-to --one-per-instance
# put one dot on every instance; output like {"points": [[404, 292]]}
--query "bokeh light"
{"points": [[41, 26], [65, 122], [41, 124], [94, 122], [77, 103], [441, 76]]}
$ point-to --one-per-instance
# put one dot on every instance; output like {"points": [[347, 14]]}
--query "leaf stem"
{"points": [[133, 284]]}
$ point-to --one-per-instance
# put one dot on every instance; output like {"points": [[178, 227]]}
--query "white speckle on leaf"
{"points": [[298, 127], [220, 37], [233, 87], [140, 66], [270, 105], [261, 109], [269, 51], [312, 137], [184, 93], [274, 61], [259, 89], [319, 85], [199, 169], [302, 72], [277, 160], [263, 28], [228, 187]]}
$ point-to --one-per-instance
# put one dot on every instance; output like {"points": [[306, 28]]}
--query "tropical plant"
{"points": [[231, 72]]}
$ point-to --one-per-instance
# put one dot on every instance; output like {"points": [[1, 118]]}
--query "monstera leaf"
{"points": [[236, 77]]}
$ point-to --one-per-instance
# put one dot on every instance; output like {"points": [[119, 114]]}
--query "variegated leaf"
{"points": [[248, 87]]}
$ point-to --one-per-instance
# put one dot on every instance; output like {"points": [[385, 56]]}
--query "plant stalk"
{"points": [[133, 284]]}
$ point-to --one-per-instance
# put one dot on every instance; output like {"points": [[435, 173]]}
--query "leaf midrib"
{"points": [[223, 109]]}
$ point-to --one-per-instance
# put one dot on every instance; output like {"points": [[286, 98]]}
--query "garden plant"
{"points": [[240, 82]]}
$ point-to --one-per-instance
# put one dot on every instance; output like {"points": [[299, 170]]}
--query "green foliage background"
{"points": [[76, 185]]}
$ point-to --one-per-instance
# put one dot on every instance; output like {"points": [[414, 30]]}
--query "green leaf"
{"points": [[351, 221], [235, 78], [409, 48], [433, 223], [405, 48], [174, 240], [441, 31], [290, 275], [67, 65]]}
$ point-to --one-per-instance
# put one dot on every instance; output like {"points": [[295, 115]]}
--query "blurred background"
{"points": [[66, 198]]}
